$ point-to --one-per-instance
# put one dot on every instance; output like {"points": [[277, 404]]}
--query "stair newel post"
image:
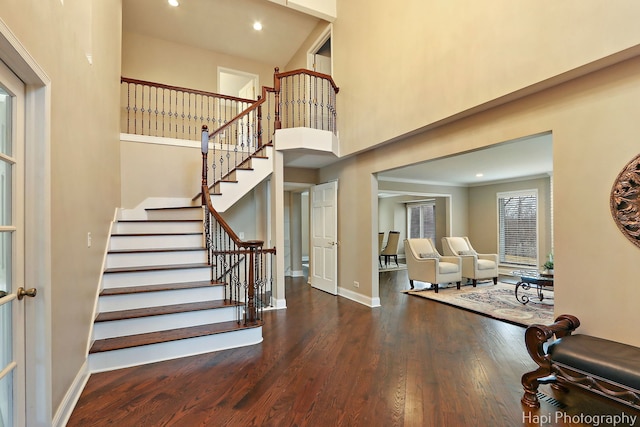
{"points": [[251, 308], [276, 86], [253, 247], [204, 147]]}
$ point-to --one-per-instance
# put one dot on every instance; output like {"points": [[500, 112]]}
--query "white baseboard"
{"points": [[279, 303], [296, 273], [362, 299], [71, 398]]}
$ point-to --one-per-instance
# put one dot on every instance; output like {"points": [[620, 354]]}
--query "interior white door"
{"points": [[12, 313], [324, 237], [322, 64]]}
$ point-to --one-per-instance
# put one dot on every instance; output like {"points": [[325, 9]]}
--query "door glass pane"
{"points": [[11, 338], [5, 262], [6, 400], [5, 336], [5, 123], [5, 193]]}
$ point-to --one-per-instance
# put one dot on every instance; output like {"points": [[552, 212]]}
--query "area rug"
{"points": [[496, 301]]}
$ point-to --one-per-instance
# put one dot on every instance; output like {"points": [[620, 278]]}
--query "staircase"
{"points": [[157, 301], [232, 186]]}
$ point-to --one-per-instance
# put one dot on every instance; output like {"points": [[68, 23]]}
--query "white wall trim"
{"points": [[71, 397], [37, 222], [278, 303], [359, 298], [129, 137]]}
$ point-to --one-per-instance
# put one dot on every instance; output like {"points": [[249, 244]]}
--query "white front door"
{"points": [[12, 304], [324, 237]]}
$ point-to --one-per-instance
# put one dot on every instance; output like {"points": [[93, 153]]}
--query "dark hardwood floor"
{"points": [[328, 361]]}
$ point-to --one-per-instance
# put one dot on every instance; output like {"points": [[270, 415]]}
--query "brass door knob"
{"points": [[22, 292]]}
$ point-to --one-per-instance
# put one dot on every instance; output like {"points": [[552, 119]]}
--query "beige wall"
{"points": [[85, 167], [403, 69], [145, 171], [392, 216], [242, 217], [457, 216], [594, 133], [155, 60], [299, 59]]}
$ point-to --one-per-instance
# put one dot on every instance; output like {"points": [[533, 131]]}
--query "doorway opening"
{"points": [[240, 84], [319, 57]]}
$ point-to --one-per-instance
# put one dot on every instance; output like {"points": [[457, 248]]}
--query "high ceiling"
{"points": [[224, 26]]}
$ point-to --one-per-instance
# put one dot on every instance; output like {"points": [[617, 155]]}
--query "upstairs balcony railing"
{"points": [[298, 98], [155, 109]]}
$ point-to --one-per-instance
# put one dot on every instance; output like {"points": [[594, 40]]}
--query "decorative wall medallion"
{"points": [[625, 201]]}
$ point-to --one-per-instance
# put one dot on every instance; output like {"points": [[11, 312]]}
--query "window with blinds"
{"points": [[421, 220], [518, 228]]}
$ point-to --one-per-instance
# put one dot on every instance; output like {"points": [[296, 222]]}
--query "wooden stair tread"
{"points": [[156, 288], [171, 233], [168, 208], [155, 268], [156, 250], [118, 343], [146, 221], [164, 309]]}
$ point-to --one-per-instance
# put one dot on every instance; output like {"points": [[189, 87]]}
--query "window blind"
{"points": [[518, 228], [422, 220]]}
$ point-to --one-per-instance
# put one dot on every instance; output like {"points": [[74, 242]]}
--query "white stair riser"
{"points": [[157, 241], [247, 180], [156, 258], [141, 325], [153, 299], [117, 359], [147, 227], [142, 278], [175, 214]]}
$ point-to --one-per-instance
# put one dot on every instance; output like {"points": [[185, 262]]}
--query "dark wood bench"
{"points": [[608, 368]]}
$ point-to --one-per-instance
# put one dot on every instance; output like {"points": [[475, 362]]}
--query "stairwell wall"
{"points": [[155, 60], [159, 170], [84, 155]]}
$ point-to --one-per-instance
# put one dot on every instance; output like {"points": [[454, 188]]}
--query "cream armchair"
{"points": [[475, 266], [425, 264]]}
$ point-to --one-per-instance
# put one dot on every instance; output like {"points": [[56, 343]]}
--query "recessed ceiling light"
{"points": [[174, 3], [257, 26], [479, 175]]}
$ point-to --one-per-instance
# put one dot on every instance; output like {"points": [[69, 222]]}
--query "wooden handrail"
{"points": [[227, 228], [255, 105], [183, 89], [309, 73], [261, 100]]}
